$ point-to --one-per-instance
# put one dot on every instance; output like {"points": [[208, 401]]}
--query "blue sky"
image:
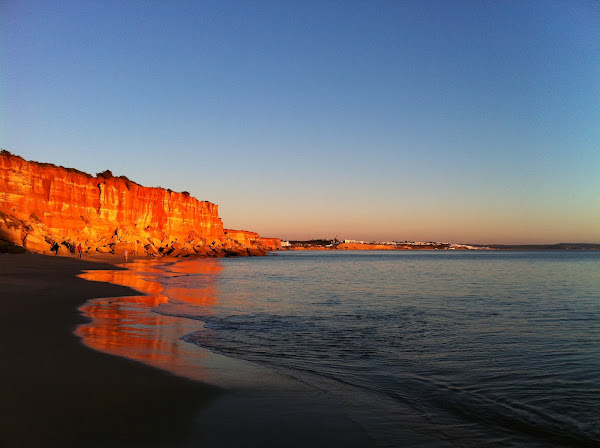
{"points": [[472, 121]]}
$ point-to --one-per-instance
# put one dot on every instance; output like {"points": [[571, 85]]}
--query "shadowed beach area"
{"points": [[55, 391]]}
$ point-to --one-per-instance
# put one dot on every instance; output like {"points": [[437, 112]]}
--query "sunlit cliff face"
{"points": [[41, 204], [127, 326]]}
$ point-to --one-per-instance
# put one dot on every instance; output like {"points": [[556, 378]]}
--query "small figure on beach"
{"points": [[54, 248], [126, 253], [79, 250]]}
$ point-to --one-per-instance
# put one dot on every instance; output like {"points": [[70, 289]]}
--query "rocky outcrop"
{"points": [[271, 243], [242, 236], [251, 241], [42, 203]]}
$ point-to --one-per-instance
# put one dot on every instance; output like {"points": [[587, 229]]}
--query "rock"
{"points": [[150, 249], [40, 202], [122, 246], [10, 248], [36, 243], [270, 243], [241, 236], [256, 252], [12, 230]]}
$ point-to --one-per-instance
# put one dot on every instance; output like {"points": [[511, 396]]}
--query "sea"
{"points": [[465, 348]]}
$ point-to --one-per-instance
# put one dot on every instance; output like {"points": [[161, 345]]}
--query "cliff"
{"points": [[42, 203], [251, 240]]}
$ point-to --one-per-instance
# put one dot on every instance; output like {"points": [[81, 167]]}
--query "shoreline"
{"points": [[58, 392]]}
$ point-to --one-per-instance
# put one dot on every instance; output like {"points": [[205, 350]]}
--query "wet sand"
{"points": [[55, 391]]}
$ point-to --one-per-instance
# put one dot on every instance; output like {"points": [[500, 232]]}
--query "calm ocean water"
{"points": [[471, 348]]}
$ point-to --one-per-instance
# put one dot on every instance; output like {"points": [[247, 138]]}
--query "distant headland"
{"points": [[335, 244], [42, 204]]}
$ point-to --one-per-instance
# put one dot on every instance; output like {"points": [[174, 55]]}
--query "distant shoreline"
{"points": [[559, 246], [330, 245]]}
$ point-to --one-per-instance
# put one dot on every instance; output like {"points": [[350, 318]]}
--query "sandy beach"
{"points": [[57, 392]]}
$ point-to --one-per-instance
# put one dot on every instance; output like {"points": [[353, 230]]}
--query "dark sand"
{"points": [[54, 391], [57, 392]]}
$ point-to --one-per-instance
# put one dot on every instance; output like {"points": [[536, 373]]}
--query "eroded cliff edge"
{"points": [[42, 203]]}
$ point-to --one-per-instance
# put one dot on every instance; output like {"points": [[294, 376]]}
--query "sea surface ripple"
{"points": [[471, 348]]}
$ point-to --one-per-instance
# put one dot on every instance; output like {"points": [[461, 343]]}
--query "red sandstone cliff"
{"points": [[42, 203], [252, 240]]}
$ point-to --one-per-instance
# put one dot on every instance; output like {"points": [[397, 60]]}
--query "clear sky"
{"points": [[470, 121]]}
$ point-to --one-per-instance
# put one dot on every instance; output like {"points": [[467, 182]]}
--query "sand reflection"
{"points": [[187, 295], [127, 326]]}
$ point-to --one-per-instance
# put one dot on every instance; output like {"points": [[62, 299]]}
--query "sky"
{"points": [[454, 121]]}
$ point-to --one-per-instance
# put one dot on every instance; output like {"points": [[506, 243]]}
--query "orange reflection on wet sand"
{"points": [[127, 326], [204, 266]]}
